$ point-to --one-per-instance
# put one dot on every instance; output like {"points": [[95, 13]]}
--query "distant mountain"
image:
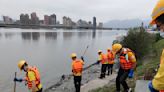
{"points": [[126, 23]]}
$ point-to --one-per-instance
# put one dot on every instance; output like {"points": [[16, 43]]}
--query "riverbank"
{"points": [[90, 76], [146, 71], [65, 84]]}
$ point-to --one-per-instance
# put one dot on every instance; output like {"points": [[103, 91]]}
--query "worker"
{"points": [[77, 68], [32, 76], [127, 62], [157, 84], [158, 15], [110, 57], [104, 61]]}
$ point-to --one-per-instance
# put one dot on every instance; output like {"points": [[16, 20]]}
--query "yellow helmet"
{"points": [[21, 64], [99, 51], [116, 47], [108, 49], [73, 55], [158, 10]]}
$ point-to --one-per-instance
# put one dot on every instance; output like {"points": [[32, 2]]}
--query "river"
{"points": [[49, 50]]}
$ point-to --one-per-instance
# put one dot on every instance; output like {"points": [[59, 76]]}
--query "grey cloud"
{"points": [[104, 10]]}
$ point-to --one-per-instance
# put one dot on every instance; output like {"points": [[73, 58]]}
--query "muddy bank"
{"points": [[65, 83]]}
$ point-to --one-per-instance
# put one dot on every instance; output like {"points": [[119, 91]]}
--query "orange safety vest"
{"points": [[110, 57], [77, 66], [37, 76], [123, 62], [104, 59]]}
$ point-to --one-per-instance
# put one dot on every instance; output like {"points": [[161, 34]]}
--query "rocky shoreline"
{"points": [[65, 83]]}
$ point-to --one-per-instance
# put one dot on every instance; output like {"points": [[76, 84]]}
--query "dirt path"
{"points": [[96, 83]]}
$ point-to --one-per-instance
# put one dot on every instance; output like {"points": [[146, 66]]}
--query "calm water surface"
{"points": [[49, 50]]}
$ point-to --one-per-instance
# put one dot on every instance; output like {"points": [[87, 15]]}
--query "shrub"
{"points": [[139, 41]]}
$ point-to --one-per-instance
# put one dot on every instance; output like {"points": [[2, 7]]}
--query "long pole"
{"points": [[85, 50], [15, 82]]}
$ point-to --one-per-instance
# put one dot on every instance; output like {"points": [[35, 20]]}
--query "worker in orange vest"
{"points": [[77, 68], [127, 63], [110, 57], [104, 61], [32, 77]]}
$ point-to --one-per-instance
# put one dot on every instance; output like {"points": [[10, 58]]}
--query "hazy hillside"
{"points": [[126, 23]]}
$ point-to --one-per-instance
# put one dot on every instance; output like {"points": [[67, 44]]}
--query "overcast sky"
{"points": [[104, 10]]}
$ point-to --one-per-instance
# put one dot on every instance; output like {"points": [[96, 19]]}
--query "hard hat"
{"points": [[99, 51], [158, 10], [73, 55], [21, 64], [116, 47], [108, 49]]}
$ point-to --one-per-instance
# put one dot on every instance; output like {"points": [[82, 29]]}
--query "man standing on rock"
{"points": [[127, 62], [77, 68]]}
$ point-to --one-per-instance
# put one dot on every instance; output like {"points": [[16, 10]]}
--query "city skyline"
{"points": [[32, 20], [104, 10]]}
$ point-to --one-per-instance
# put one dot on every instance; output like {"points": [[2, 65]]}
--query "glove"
{"points": [[18, 80], [98, 62], [82, 58]]}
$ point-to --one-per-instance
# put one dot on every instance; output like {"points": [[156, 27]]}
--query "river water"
{"points": [[49, 50]]}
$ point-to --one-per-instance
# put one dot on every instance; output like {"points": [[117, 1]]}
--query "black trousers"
{"points": [[103, 70], [121, 79], [110, 69], [40, 90], [77, 83]]}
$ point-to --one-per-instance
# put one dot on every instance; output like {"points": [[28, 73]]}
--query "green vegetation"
{"points": [[148, 48], [139, 41]]}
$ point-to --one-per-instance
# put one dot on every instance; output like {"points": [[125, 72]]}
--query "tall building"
{"points": [[53, 19], [46, 19], [24, 19], [82, 23], [34, 19], [100, 25], [64, 21], [67, 22], [94, 23], [7, 20]]}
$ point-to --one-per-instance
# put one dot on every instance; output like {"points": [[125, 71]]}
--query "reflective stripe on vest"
{"points": [[37, 76]]}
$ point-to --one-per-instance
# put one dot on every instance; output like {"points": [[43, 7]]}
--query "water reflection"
{"points": [[67, 35], [51, 35], [93, 34], [82, 34], [26, 35], [31, 36], [35, 36], [8, 35]]}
